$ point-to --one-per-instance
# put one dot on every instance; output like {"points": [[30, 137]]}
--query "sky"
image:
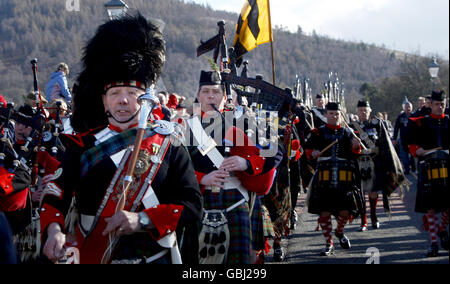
{"points": [[413, 26]]}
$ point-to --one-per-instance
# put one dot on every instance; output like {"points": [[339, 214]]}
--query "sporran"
{"points": [[367, 170], [29, 240], [214, 238]]}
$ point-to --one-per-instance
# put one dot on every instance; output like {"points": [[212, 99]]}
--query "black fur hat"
{"points": [[26, 110], [333, 106], [128, 51], [438, 96], [210, 78], [363, 104], [24, 115]]}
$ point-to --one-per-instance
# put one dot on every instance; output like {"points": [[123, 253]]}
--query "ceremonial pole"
{"points": [[271, 44], [148, 102]]}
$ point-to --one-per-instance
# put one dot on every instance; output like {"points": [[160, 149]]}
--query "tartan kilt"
{"points": [[333, 200], [257, 219], [238, 222], [267, 224], [279, 205]]}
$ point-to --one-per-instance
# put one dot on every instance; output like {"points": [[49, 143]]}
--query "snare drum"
{"points": [[338, 174], [435, 169], [432, 186]]}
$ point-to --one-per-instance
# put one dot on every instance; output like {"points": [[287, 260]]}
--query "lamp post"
{"points": [[433, 69], [116, 8]]}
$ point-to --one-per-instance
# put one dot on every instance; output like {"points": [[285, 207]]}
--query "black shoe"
{"points": [[363, 228], [328, 250], [294, 219], [444, 239], [375, 224], [279, 255], [433, 251], [343, 241]]}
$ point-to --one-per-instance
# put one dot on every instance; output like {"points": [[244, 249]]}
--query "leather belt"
{"points": [[207, 147]]}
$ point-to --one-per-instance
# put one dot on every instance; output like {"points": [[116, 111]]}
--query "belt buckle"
{"points": [[215, 189]]}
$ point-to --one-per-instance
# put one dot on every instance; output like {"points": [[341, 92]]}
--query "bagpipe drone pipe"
{"points": [[18, 155]]}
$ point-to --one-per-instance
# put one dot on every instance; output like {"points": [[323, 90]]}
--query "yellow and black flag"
{"points": [[254, 26]]}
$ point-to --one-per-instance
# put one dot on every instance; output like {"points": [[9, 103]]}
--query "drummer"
{"points": [[428, 139], [334, 188]]}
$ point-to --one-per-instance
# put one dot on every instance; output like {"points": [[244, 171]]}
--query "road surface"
{"points": [[400, 239]]}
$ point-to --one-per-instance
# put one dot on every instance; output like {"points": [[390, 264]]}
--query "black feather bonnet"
{"points": [[127, 49]]}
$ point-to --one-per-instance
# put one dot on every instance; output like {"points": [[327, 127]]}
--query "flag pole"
{"points": [[271, 43]]}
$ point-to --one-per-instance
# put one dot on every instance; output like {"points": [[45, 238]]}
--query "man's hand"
{"points": [[122, 223], [420, 152], [356, 142], [46, 179], [234, 164], [315, 154], [36, 196], [215, 178], [54, 246]]}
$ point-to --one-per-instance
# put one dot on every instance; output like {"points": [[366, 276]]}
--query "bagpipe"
{"points": [[256, 90], [36, 122], [52, 124], [335, 90], [5, 116], [44, 130], [303, 91], [22, 162], [263, 97]]}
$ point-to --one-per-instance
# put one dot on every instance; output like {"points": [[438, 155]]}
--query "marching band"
{"points": [[110, 174]]}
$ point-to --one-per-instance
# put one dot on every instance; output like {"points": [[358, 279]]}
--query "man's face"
{"points": [[364, 113], [122, 103], [320, 103], [22, 131], [211, 94], [421, 103], [333, 117], [162, 99], [428, 103], [407, 108], [438, 108]]}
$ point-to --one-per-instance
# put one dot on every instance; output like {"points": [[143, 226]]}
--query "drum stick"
{"points": [[354, 134], [328, 147], [432, 150]]}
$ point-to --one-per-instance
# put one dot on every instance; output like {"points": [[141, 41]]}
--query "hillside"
{"points": [[45, 30]]}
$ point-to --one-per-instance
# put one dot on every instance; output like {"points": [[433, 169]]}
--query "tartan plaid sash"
{"points": [[113, 145]]}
